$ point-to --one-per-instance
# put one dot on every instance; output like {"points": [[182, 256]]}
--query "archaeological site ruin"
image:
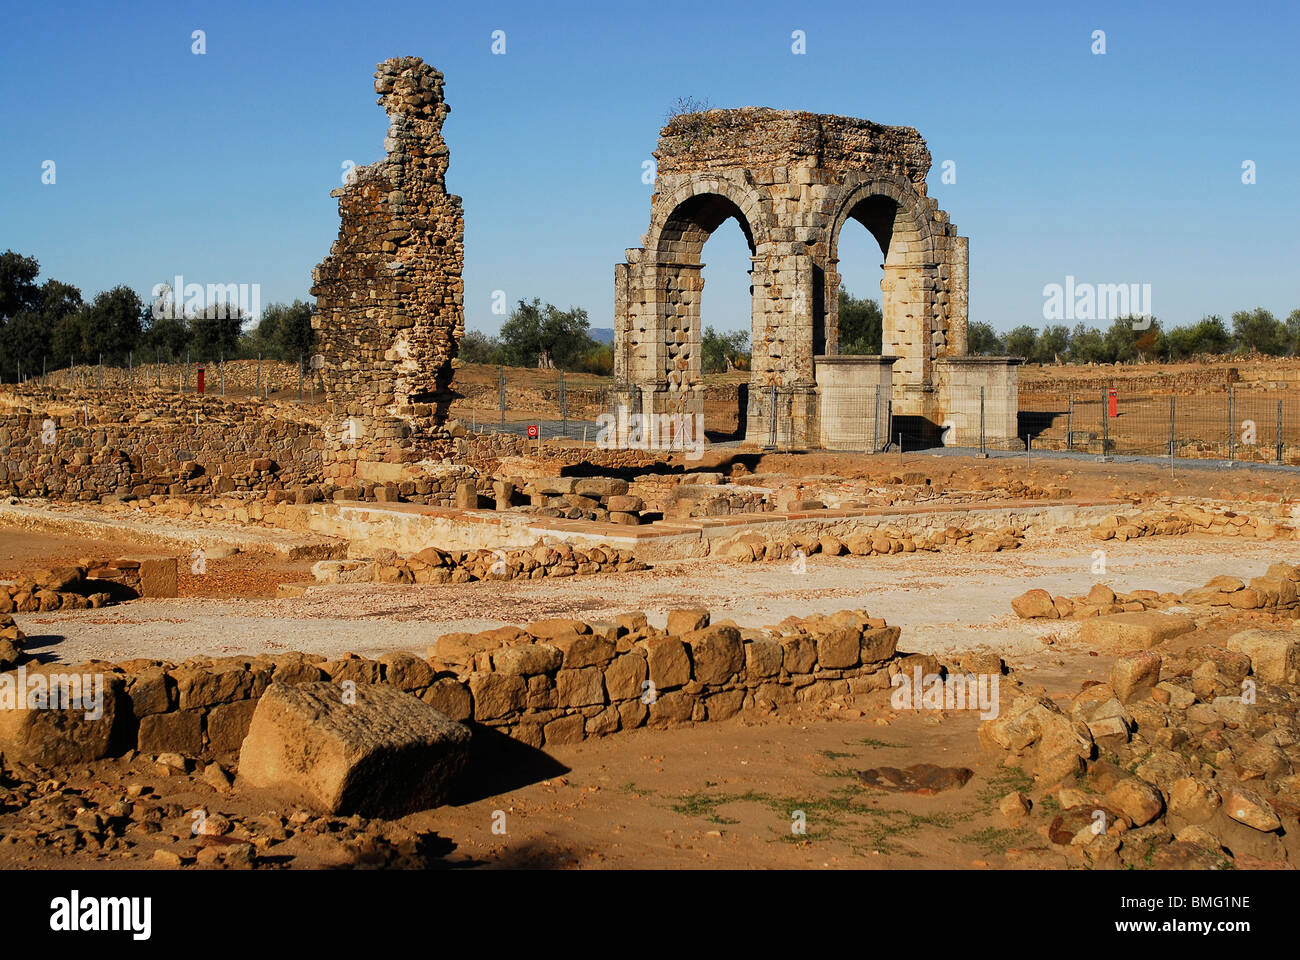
{"points": [[342, 618], [792, 181]]}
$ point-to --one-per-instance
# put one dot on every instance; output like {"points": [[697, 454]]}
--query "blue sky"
{"points": [[1121, 168]]}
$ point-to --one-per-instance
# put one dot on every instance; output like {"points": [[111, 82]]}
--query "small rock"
{"points": [[1014, 807]]}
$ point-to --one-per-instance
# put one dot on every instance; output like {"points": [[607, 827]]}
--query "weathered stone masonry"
{"points": [[791, 180], [390, 299], [549, 683]]}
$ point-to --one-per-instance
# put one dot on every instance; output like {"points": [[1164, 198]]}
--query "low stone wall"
{"points": [[432, 565], [107, 444], [1265, 522], [548, 682], [865, 542], [241, 376], [1038, 380]]}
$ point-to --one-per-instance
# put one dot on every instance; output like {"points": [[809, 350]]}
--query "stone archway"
{"points": [[792, 179], [657, 315], [914, 327]]}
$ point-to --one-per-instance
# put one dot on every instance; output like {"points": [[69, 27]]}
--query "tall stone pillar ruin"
{"points": [[389, 297]]}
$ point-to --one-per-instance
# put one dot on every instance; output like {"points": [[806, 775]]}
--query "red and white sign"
{"points": [[532, 431]]}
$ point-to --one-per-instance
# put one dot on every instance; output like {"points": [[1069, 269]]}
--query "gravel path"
{"points": [[943, 602]]}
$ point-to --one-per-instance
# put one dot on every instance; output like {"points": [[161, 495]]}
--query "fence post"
{"points": [[222, 368], [875, 426], [1279, 430], [130, 370], [1105, 424], [564, 406], [501, 385], [1173, 409], [1069, 425], [983, 452], [300, 378], [257, 388], [101, 371], [1232, 424]]}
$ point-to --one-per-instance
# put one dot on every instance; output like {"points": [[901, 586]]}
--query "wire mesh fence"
{"points": [[185, 372], [543, 409], [1253, 425], [854, 419], [1237, 424]]}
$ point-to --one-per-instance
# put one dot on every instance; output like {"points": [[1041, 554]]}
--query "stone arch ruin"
{"points": [[792, 180]]}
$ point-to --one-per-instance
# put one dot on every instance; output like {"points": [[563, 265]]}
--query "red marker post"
{"points": [[1112, 402], [200, 370]]}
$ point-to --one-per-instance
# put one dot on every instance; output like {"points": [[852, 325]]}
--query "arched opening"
{"points": [[894, 240], [861, 271], [886, 272], [728, 318]]}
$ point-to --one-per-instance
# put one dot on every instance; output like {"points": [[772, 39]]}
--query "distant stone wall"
{"points": [[86, 445], [390, 299], [1038, 380], [240, 376]]}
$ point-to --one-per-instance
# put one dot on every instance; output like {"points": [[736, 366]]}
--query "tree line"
{"points": [[1127, 339], [48, 325], [1139, 339]]}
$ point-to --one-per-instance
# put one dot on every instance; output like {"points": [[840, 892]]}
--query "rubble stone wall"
{"points": [[550, 682], [92, 444], [390, 299]]}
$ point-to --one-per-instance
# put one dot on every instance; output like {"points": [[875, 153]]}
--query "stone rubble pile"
{"points": [[141, 809], [584, 498], [864, 542], [1180, 520], [1184, 759], [89, 585], [1276, 594]]}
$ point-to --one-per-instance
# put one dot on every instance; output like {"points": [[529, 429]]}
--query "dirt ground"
{"points": [[941, 608], [765, 792], [720, 795]]}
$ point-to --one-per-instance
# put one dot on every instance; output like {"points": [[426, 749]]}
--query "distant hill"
{"points": [[602, 335]]}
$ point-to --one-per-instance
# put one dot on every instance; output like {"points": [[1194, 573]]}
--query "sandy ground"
{"points": [[750, 792], [944, 602], [718, 795]]}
